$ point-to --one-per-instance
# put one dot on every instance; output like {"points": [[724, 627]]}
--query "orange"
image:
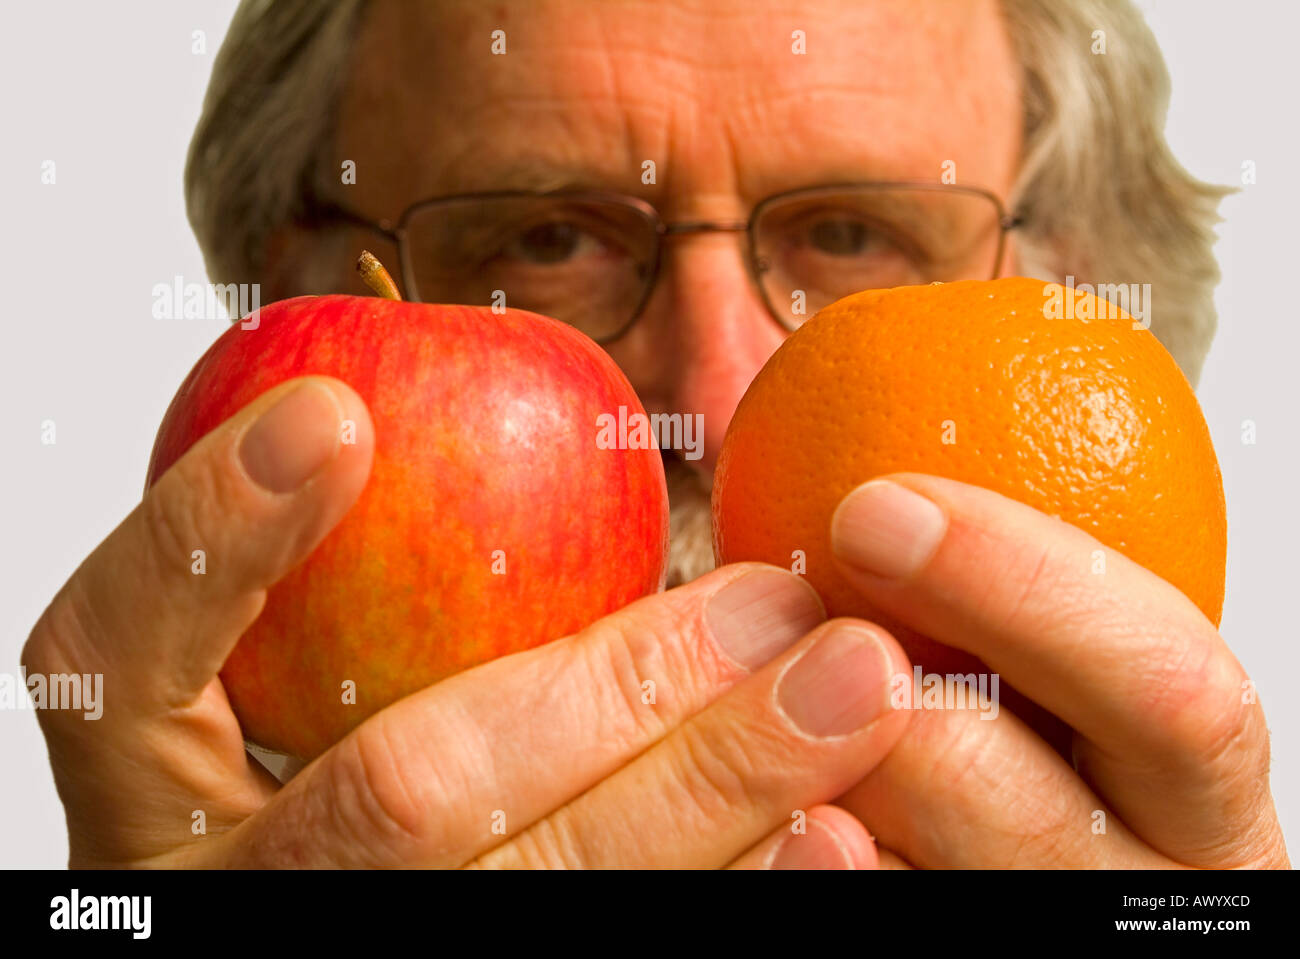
{"points": [[1088, 420]]}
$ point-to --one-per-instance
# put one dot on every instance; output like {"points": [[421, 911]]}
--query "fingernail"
{"points": [[818, 848], [292, 440], [886, 529], [838, 686], [764, 612]]}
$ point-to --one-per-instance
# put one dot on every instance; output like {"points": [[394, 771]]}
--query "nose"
{"points": [[711, 333]]}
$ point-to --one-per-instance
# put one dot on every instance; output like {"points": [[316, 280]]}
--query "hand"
{"points": [[555, 756], [1163, 738]]}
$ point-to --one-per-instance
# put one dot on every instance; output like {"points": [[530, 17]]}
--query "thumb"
{"points": [[255, 495]]}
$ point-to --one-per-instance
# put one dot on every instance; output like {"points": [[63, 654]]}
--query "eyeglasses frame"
{"points": [[396, 231]]}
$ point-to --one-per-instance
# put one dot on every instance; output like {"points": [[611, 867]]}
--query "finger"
{"points": [[800, 731], [826, 837], [448, 773], [1125, 658], [960, 789], [255, 496]]}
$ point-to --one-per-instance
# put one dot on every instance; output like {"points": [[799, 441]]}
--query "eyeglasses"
{"points": [[591, 259]]}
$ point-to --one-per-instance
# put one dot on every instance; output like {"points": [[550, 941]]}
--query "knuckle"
{"points": [[720, 769], [62, 641], [49, 634], [173, 522], [622, 657], [1034, 827], [556, 842], [1165, 668], [373, 803], [1232, 742], [1195, 705], [1234, 778]]}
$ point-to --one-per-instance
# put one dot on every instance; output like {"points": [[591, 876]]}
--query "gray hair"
{"points": [[1104, 199], [266, 128]]}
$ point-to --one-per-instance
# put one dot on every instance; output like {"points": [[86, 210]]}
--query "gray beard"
{"points": [[690, 523]]}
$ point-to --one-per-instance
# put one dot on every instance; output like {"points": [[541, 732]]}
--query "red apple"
{"points": [[492, 522]]}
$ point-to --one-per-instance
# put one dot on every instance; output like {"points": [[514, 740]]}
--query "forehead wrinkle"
{"points": [[567, 149], [612, 80], [863, 149], [563, 147], [555, 115]]}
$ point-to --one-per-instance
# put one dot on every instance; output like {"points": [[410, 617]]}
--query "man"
{"points": [[321, 120]]}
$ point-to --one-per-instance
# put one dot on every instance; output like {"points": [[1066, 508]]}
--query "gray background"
{"points": [[111, 93]]}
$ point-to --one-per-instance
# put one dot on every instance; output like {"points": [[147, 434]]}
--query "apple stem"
{"points": [[376, 277]]}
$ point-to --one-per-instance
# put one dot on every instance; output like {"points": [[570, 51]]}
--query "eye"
{"points": [[550, 243], [840, 236]]}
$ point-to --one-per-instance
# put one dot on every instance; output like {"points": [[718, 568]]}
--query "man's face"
{"points": [[714, 93]]}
